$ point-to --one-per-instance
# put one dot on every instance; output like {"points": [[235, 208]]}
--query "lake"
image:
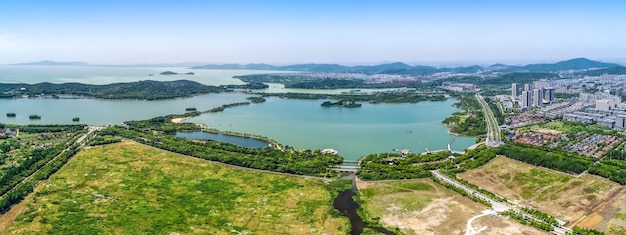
{"points": [[237, 140], [373, 128], [354, 132]]}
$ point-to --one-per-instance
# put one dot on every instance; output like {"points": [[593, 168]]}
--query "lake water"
{"points": [[105, 112], [238, 140], [106, 75], [354, 132], [373, 128]]}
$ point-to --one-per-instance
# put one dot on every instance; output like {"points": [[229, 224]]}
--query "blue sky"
{"points": [[287, 32]]}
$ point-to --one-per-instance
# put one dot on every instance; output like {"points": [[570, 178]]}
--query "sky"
{"points": [[321, 31]]}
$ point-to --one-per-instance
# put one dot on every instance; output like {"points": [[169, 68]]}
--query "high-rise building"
{"points": [[537, 97], [515, 91], [620, 122], [528, 87], [548, 94], [526, 99]]}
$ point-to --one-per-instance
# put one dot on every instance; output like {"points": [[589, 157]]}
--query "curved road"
{"points": [[495, 205]]}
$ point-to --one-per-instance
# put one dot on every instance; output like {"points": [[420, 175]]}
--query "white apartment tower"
{"points": [[548, 94], [526, 99], [537, 97], [515, 91], [528, 87]]}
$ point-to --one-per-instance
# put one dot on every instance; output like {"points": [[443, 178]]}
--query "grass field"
{"points": [[128, 188], [561, 195], [424, 207]]}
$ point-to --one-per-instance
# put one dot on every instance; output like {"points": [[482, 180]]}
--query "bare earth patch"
{"points": [[443, 211], [587, 201]]}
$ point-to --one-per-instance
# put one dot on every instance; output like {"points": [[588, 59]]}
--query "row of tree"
{"points": [[540, 215], [462, 191], [287, 161], [18, 191], [523, 219], [550, 158]]}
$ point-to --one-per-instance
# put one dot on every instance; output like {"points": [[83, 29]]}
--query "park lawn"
{"points": [[129, 188]]}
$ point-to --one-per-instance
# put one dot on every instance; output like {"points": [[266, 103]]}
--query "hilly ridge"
{"points": [[402, 68]]}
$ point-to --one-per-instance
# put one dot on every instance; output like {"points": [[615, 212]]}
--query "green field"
{"points": [[128, 188], [405, 196]]}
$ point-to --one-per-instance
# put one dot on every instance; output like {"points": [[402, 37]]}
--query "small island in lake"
{"points": [[10, 114], [175, 73], [341, 103], [34, 116]]}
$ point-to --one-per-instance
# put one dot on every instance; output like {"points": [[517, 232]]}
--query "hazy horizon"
{"points": [[441, 33]]}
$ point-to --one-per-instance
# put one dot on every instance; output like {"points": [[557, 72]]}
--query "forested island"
{"points": [[175, 73], [341, 103], [144, 90], [372, 98], [301, 82]]}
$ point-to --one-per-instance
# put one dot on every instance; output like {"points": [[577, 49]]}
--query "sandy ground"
{"points": [[566, 201], [448, 213], [179, 120]]}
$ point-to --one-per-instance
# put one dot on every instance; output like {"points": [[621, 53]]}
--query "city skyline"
{"points": [[284, 32]]}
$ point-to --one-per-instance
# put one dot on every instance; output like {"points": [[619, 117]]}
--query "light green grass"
{"points": [[396, 197], [129, 188]]}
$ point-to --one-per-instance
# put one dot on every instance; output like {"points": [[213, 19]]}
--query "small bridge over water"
{"points": [[348, 166], [348, 169]]}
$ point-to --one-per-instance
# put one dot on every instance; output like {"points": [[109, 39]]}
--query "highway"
{"points": [[495, 205], [493, 129]]}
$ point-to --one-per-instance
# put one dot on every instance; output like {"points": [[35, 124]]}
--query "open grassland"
{"points": [[128, 188], [424, 207], [552, 127], [561, 195]]}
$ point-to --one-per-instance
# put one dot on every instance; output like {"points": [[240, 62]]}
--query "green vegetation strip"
{"points": [[528, 220], [128, 188], [387, 166], [285, 160]]}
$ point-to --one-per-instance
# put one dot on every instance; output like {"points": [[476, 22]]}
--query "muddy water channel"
{"points": [[348, 207]]}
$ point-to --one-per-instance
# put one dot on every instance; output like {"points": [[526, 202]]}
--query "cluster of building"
{"points": [[594, 145], [538, 138], [523, 119], [603, 108], [529, 97], [451, 86], [591, 145], [8, 133]]}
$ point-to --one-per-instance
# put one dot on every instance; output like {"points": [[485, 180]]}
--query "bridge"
{"points": [[347, 169]]}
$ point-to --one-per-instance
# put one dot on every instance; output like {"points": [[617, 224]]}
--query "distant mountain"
{"points": [[48, 62], [573, 64], [402, 68], [328, 68]]}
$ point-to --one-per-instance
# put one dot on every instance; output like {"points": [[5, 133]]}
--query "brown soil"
{"points": [[568, 201], [448, 213]]}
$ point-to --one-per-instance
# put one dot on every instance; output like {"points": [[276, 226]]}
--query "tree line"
{"points": [[144, 90], [287, 161], [549, 158]]}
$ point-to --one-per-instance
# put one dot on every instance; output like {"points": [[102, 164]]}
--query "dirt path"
{"points": [[473, 231], [597, 206]]}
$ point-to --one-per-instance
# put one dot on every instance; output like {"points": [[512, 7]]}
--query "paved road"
{"points": [[79, 140], [493, 129], [495, 205]]}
